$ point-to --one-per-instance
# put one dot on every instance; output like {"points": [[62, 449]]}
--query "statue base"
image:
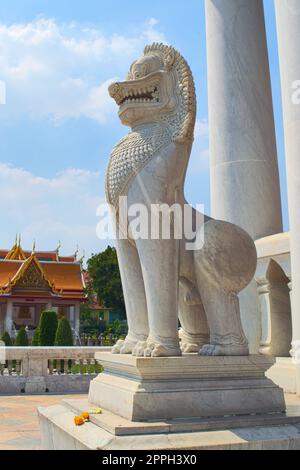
{"points": [[188, 402], [190, 386]]}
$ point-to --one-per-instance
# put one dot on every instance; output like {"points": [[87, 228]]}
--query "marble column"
{"points": [[72, 315], [244, 170], [9, 316], [77, 318], [288, 28], [243, 155]]}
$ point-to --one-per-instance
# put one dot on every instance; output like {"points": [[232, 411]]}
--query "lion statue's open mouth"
{"points": [[159, 84], [133, 95]]}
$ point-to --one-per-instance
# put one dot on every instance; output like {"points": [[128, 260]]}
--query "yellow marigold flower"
{"points": [[85, 415], [78, 420]]}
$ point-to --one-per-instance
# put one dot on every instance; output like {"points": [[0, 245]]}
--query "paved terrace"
{"points": [[19, 425]]}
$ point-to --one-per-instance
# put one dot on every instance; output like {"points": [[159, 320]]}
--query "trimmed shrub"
{"points": [[64, 336], [22, 338], [36, 338], [47, 328], [6, 339]]}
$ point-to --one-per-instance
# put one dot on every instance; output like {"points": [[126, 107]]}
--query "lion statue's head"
{"points": [[159, 86]]}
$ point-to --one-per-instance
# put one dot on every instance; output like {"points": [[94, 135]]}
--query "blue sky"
{"points": [[59, 125]]}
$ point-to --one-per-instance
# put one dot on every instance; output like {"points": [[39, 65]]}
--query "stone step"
{"points": [[60, 433], [119, 426]]}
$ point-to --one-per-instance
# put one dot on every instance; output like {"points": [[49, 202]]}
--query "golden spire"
{"points": [[16, 252]]}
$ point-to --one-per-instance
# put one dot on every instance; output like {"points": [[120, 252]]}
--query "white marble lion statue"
{"points": [[162, 279]]}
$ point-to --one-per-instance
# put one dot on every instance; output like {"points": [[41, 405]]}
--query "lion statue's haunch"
{"points": [[161, 278]]}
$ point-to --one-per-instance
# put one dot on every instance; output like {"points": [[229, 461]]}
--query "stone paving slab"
{"points": [[19, 424]]}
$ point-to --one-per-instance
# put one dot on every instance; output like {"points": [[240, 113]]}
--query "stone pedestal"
{"points": [[188, 402], [191, 386]]}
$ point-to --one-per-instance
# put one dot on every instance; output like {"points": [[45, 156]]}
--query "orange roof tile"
{"points": [[8, 269], [65, 276], [43, 255], [67, 259]]}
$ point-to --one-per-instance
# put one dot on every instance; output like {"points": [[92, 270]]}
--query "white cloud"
{"points": [[47, 210], [201, 129], [61, 71], [199, 161]]}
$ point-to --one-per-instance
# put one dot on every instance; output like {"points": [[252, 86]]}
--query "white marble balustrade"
{"points": [[48, 369]]}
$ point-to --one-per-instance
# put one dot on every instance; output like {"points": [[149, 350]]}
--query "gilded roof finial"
{"points": [[19, 240], [76, 252], [33, 248], [58, 246]]}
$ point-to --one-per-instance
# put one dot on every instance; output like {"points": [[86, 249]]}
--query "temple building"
{"points": [[31, 282]]}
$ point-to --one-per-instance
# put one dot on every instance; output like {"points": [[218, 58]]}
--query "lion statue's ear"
{"points": [[169, 59], [129, 75]]}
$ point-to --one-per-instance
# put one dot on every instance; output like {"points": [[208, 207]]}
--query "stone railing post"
{"points": [[265, 308]]}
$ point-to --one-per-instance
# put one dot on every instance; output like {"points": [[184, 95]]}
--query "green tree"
{"points": [[64, 336], [6, 339], [22, 338], [47, 328], [105, 277], [36, 337]]}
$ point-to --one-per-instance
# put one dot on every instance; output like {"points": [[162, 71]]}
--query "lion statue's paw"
{"points": [[123, 346], [154, 349], [189, 347], [117, 347], [139, 348], [224, 350]]}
